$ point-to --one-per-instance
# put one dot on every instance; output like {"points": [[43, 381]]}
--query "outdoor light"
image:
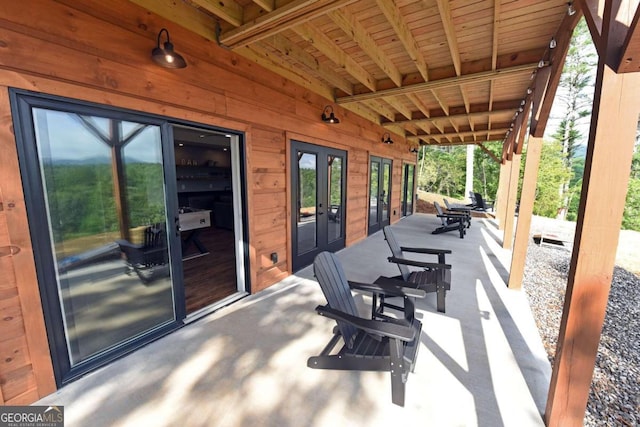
{"points": [[414, 149], [386, 138], [570, 9], [553, 43], [165, 56], [529, 91], [331, 118]]}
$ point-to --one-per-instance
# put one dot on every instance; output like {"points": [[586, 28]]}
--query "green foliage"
{"points": [[443, 171], [82, 202], [631, 216], [486, 171], [552, 173]]}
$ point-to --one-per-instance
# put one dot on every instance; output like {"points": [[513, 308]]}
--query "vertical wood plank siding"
{"points": [[100, 52]]}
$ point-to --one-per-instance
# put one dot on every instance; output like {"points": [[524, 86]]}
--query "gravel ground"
{"points": [[614, 398]]}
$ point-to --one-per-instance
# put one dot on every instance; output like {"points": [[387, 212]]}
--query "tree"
{"points": [[552, 173], [575, 99]]}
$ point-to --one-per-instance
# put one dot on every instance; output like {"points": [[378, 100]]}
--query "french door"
{"points": [[379, 193], [318, 201]]}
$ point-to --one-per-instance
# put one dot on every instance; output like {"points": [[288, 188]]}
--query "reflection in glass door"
{"points": [[407, 189], [318, 198], [98, 200], [379, 193]]}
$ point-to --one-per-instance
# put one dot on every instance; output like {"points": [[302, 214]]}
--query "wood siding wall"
{"points": [[99, 51]]}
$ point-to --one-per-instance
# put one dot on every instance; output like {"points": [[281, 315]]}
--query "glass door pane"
{"points": [[307, 232], [104, 197], [385, 195], [335, 211], [373, 192], [409, 192]]}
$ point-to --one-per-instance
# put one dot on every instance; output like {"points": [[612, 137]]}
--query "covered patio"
{"points": [[480, 363]]}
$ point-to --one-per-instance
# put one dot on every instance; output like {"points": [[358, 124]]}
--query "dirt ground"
{"points": [[627, 257]]}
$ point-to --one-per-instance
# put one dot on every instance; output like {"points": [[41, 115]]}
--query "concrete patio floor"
{"points": [[481, 363]]}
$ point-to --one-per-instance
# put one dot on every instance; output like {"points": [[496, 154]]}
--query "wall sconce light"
{"points": [[165, 56], [570, 9], [414, 149], [386, 138], [330, 118]]}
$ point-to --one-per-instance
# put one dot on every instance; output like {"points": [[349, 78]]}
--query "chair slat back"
{"points": [[439, 210], [335, 288], [396, 251]]}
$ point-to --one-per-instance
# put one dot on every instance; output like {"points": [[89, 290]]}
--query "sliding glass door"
{"points": [[103, 238], [408, 174]]}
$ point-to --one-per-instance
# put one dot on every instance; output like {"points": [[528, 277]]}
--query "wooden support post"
{"points": [[516, 273], [503, 192], [512, 196], [611, 140]]}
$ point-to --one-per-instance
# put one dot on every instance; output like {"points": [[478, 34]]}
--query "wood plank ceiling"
{"points": [[433, 71]]}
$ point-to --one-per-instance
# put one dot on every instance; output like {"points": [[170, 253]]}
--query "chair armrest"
{"points": [[453, 215], [128, 244], [425, 250], [394, 290], [375, 327], [419, 263]]}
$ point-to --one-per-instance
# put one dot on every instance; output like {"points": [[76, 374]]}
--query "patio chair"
{"points": [[432, 277], [482, 204], [458, 208], [148, 259], [450, 221], [368, 344]]}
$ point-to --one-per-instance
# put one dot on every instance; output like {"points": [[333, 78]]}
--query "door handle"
{"points": [[320, 213], [177, 224]]}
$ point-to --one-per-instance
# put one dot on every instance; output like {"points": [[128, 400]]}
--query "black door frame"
{"points": [[324, 212], [407, 199], [381, 197], [22, 102]]}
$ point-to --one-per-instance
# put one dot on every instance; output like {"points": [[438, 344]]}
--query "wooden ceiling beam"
{"points": [[630, 58], [182, 14], [441, 83], [266, 59], [450, 32], [268, 5], [328, 48], [592, 11], [396, 19], [434, 119], [501, 130], [419, 104], [229, 10], [353, 28], [494, 43], [563, 38], [290, 50], [280, 19]]}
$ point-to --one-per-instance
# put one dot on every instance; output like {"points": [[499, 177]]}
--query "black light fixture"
{"points": [[570, 9], [165, 56], [414, 149], [328, 116], [386, 138]]}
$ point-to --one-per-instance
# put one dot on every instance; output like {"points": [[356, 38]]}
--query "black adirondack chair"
{"points": [[431, 276], [450, 221], [368, 344], [149, 260], [482, 204], [459, 209]]}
